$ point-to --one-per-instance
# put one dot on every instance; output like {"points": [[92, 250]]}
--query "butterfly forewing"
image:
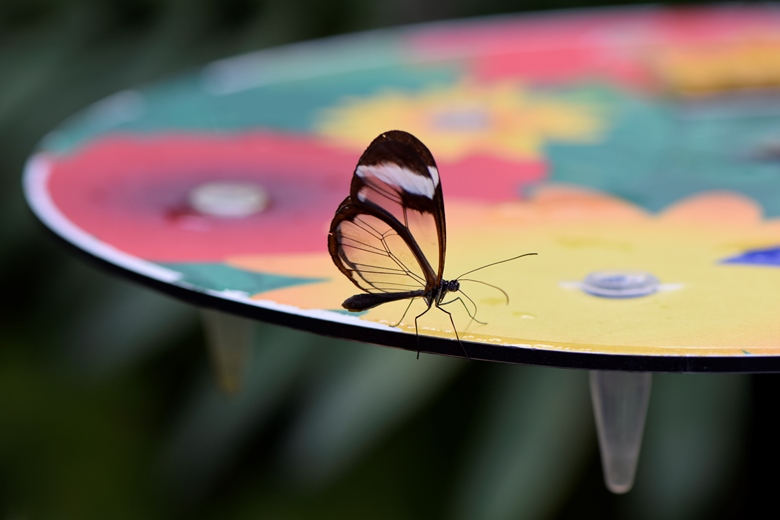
{"points": [[388, 236], [398, 176]]}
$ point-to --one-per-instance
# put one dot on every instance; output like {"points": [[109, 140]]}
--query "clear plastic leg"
{"points": [[229, 338], [620, 402]]}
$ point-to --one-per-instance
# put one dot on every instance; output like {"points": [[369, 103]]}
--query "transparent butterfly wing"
{"points": [[373, 253], [388, 236]]}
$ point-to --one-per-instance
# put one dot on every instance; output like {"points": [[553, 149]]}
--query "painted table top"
{"points": [[636, 151]]}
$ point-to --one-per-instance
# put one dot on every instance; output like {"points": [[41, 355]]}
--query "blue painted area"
{"points": [[220, 277], [767, 257]]}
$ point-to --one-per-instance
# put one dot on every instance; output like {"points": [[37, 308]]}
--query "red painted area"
{"points": [[605, 46], [131, 191]]}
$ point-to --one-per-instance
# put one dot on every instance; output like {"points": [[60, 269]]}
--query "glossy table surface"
{"points": [[636, 151]]}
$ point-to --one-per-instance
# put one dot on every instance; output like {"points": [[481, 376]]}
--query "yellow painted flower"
{"points": [[703, 307], [502, 119], [749, 62]]}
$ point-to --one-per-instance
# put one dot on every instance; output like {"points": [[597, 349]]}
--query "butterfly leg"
{"points": [[416, 331], [453, 328], [404, 314], [472, 316]]}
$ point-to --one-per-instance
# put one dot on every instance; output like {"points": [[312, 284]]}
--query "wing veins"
{"points": [[359, 242], [392, 283], [375, 251], [368, 228], [391, 194], [371, 230], [406, 269], [382, 238], [385, 270], [402, 271]]}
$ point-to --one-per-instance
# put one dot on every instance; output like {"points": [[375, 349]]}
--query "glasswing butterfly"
{"points": [[389, 236]]}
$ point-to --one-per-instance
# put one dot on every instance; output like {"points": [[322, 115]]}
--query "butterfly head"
{"points": [[450, 286]]}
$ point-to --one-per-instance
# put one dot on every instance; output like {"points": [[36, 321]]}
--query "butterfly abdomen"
{"points": [[362, 302]]}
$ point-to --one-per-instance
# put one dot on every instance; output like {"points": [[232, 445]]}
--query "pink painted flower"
{"points": [[135, 193]]}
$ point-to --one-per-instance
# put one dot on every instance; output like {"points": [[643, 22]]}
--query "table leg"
{"points": [[229, 338], [620, 402]]}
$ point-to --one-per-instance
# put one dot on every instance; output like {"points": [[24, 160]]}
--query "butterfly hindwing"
{"points": [[371, 251], [389, 236]]}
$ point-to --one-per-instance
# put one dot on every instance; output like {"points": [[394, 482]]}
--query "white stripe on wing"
{"points": [[400, 177]]}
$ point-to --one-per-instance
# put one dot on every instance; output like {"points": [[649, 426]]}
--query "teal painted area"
{"points": [[184, 105], [652, 152], [348, 313], [657, 152], [220, 277]]}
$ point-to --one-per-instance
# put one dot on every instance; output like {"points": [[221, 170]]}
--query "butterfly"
{"points": [[389, 235]]}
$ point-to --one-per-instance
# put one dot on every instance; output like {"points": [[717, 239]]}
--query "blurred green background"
{"points": [[109, 407]]}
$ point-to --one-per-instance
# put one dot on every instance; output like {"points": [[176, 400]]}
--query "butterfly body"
{"points": [[363, 302]]}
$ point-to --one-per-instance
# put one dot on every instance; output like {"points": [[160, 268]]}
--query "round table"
{"points": [[636, 151]]}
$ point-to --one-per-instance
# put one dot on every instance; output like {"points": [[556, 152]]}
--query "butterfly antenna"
{"points": [[489, 285], [495, 263]]}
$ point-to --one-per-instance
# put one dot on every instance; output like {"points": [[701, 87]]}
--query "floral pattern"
{"points": [[595, 152], [503, 120], [142, 206]]}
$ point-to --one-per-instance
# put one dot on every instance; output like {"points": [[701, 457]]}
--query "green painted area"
{"points": [[656, 152], [348, 313], [653, 151], [292, 105], [220, 277]]}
